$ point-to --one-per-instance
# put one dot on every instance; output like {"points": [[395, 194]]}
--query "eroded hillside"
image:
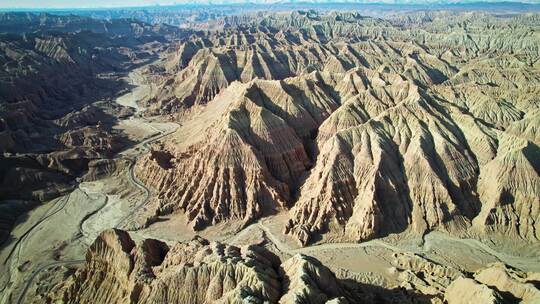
{"points": [[357, 127]]}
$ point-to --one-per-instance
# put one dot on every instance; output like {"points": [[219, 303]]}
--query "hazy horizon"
{"points": [[84, 4]]}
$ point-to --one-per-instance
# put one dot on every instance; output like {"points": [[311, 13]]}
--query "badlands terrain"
{"points": [[293, 156]]}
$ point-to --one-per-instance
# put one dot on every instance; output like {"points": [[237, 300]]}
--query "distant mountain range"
{"points": [[98, 4], [351, 1]]}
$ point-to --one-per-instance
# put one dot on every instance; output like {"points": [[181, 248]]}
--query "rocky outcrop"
{"points": [[493, 283], [152, 272], [516, 284], [197, 271], [101, 168], [497, 283], [306, 280], [464, 290], [415, 272]]}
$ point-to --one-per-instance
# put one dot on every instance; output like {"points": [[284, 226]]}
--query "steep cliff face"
{"points": [[117, 271], [419, 164], [113, 283]]}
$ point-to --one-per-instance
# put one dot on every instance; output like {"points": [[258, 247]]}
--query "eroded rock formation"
{"points": [[497, 283], [361, 127], [198, 271]]}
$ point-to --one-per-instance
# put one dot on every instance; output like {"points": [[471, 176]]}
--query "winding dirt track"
{"points": [[135, 181]]}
